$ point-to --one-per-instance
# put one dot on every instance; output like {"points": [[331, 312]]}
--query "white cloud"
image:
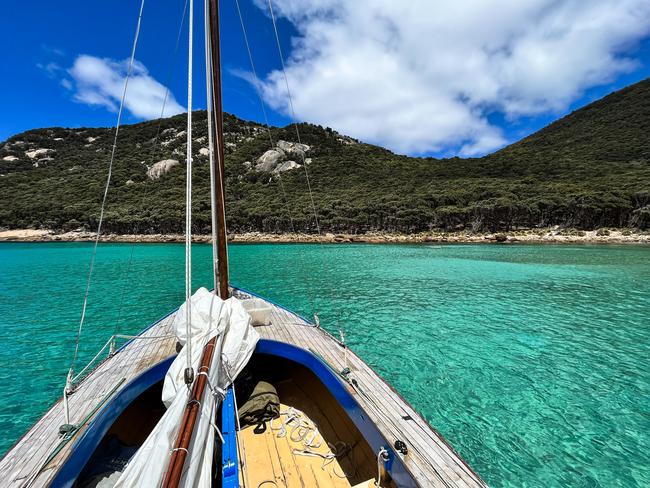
{"points": [[422, 76], [100, 81], [51, 69], [66, 83]]}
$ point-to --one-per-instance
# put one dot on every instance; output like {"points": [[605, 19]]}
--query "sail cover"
{"points": [[236, 340]]}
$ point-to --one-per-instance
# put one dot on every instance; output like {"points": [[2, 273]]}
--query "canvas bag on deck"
{"points": [[262, 405]]}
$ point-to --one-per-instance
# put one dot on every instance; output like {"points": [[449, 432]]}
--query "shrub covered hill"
{"points": [[587, 170]]}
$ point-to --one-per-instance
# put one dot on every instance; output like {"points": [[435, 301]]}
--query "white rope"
{"points": [[217, 393], [108, 184], [188, 196], [213, 181]]}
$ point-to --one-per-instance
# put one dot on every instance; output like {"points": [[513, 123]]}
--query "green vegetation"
{"points": [[588, 170]]}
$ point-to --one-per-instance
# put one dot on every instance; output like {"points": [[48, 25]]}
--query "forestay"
{"points": [[210, 317]]}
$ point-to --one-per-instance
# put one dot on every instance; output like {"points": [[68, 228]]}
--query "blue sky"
{"points": [[36, 34], [419, 79]]}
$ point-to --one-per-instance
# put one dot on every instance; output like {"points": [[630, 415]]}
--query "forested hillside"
{"points": [[587, 170]]}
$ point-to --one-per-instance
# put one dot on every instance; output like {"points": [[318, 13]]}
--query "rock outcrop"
{"points": [[37, 153], [286, 166], [293, 150], [282, 157], [161, 168], [269, 160]]}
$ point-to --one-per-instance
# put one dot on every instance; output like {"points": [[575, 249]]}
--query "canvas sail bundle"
{"points": [[211, 317]]}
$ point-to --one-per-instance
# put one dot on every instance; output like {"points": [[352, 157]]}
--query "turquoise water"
{"points": [[533, 361]]}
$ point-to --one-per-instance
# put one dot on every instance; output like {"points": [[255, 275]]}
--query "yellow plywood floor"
{"points": [[312, 444]]}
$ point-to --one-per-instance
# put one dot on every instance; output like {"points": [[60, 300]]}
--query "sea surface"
{"points": [[532, 360]]}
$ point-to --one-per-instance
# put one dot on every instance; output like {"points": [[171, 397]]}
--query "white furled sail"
{"points": [[236, 339]]}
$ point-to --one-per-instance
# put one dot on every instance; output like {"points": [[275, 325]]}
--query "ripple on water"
{"points": [[530, 360]]}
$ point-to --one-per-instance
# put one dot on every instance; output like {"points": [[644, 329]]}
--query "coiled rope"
{"points": [[305, 431]]}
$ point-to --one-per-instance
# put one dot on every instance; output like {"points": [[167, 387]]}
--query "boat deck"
{"points": [[430, 460]]}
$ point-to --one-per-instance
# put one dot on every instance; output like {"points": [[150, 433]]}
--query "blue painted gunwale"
{"points": [[84, 447], [87, 443], [339, 390]]}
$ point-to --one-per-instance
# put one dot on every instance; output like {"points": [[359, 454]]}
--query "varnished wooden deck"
{"points": [[431, 461]]}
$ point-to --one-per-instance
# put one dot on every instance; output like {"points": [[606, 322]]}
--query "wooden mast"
{"points": [[219, 191], [192, 409]]}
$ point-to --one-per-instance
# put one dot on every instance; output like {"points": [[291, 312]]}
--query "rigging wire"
{"points": [[293, 114], [272, 145], [262, 105], [107, 186], [257, 87], [295, 123], [188, 198], [154, 148]]}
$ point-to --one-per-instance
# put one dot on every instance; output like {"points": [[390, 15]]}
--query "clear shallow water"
{"points": [[533, 361]]}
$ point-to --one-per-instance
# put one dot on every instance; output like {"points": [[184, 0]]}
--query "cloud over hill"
{"points": [[424, 76]]}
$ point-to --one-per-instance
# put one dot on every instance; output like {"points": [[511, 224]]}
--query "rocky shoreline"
{"points": [[549, 235]]}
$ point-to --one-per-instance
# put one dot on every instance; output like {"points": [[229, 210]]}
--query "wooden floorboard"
{"points": [[272, 457], [431, 461]]}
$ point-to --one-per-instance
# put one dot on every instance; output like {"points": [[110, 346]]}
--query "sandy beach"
{"points": [[549, 235]]}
